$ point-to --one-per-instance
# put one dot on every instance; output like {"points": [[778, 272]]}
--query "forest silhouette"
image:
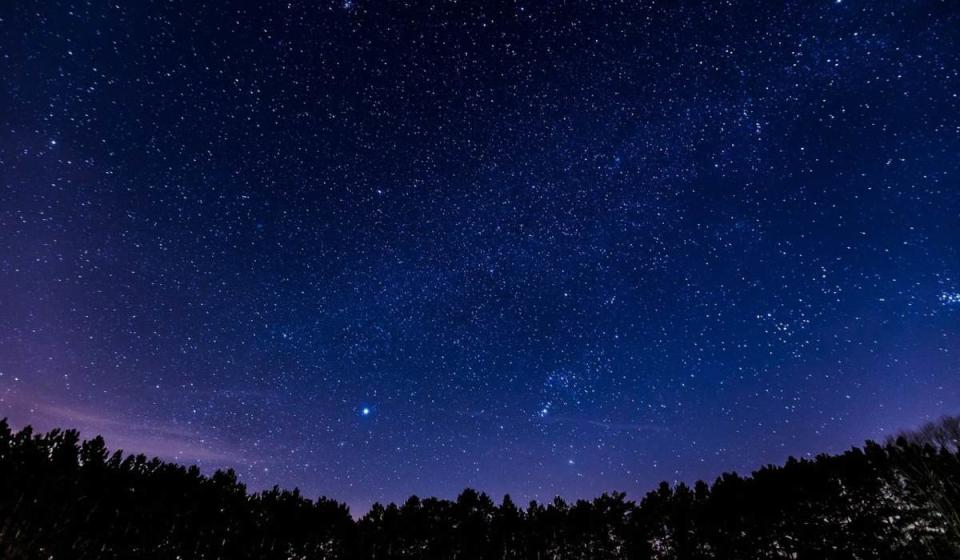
{"points": [[66, 498]]}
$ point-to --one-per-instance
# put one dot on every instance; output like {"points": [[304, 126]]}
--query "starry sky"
{"points": [[377, 248]]}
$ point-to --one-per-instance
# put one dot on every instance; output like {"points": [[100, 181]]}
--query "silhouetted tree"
{"points": [[61, 497]]}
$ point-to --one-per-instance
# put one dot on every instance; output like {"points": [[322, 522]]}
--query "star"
{"points": [[498, 236]]}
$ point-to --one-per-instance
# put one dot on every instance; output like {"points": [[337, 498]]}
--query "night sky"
{"points": [[374, 248]]}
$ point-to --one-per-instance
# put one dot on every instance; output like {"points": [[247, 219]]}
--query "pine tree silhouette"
{"points": [[61, 497]]}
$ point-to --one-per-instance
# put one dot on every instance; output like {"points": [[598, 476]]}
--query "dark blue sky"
{"points": [[373, 249]]}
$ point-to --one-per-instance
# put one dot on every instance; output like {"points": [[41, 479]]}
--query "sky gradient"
{"points": [[374, 249]]}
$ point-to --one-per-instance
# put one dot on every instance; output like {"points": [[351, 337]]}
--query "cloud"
{"points": [[132, 435]]}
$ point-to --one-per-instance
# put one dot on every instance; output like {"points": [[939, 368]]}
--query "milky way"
{"points": [[374, 249]]}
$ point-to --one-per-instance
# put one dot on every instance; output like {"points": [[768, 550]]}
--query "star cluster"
{"points": [[373, 249]]}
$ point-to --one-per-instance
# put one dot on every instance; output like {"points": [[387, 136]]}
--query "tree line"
{"points": [[61, 497]]}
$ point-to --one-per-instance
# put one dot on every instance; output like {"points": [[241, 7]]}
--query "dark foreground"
{"points": [[62, 498]]}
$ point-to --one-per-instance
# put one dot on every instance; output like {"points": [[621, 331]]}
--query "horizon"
{"points": [[357, 514]]}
